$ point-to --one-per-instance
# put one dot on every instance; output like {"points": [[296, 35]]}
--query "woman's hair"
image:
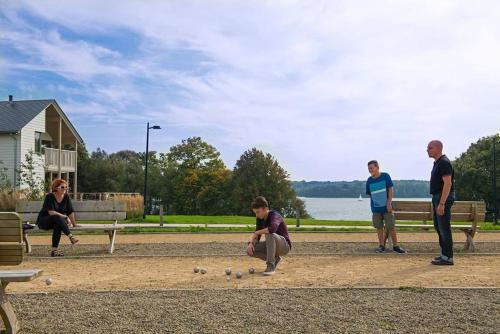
{"points": [[259, 202], [57, 183]]}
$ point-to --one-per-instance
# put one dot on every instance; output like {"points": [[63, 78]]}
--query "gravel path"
{"points": [[218, 248], [263, 311]]}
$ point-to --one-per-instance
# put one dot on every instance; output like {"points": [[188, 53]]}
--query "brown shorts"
{"points": [[378, 220]]}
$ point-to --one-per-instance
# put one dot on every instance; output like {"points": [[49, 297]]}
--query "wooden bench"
{"points": [[11, 254], [461, 211], [84, 211]]}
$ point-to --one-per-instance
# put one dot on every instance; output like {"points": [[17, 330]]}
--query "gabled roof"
{"points": [[14, 115]]}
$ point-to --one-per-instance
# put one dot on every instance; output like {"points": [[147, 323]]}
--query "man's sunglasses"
{"points": [[63, 187]]}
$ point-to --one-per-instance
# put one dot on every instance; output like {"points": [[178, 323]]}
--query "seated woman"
{"points": [[57, 214]]}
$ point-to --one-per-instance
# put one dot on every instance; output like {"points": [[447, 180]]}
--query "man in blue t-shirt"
{"points": [[380, 188]]}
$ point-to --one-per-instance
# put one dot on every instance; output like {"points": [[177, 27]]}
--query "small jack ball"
{"points": [[239, 275], [196, 270]]}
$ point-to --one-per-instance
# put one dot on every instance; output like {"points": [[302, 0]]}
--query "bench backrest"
{"points": [[11, 234], [84, 210], [461, 211]]}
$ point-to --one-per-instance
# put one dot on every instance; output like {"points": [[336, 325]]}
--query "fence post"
{"points": [[297, 218], [161, 214]]}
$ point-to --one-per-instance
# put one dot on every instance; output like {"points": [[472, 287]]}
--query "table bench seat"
{"points": [[85, 211]]}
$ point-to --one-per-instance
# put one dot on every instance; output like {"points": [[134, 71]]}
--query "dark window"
{"points": [[38, 142]]}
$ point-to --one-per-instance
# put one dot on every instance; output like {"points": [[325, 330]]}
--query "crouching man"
{"points": [[271, 224]]}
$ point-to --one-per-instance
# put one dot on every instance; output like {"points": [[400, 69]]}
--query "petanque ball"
{"points": [[228, 271], [251, 270], [239, 275], [203, 271], [196, 270], [49, 281]]}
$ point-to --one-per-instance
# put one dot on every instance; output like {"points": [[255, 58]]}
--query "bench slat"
{"points": [[412, 206], [9, 223], [10, 238], [418, 216], [87, 206], [427, 216], [32, 217], [11, 230], [8, 216], [10, 260]]}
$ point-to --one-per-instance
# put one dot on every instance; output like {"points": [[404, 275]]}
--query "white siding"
{"points": [[37, 124], [10, 154]]}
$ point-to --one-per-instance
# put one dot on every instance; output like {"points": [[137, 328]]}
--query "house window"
{"points": [[38, 142]]}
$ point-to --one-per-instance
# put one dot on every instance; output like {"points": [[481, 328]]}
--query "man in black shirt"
{"points": [[443, 196]]}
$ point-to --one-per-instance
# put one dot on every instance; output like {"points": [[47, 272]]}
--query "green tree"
{"points": [[130, 168], [99, 173], [259, 174], [4, 178], [198, 177], [28, 176], [474, 172]]}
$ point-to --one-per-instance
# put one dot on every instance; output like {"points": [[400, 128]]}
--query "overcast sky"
{"points": [[324, 86]]}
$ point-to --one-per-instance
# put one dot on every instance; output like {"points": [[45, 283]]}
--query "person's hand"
{"points": [[440, 209], [389, 207], [250, 249]]}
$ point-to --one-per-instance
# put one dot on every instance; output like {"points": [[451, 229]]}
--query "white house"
{"points": [[40, 126]]}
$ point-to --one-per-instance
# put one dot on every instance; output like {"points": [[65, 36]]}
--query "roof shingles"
{"points": [[16, 114]]}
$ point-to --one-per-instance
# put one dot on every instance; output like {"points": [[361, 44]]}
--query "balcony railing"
{"points": [[68, 160]]}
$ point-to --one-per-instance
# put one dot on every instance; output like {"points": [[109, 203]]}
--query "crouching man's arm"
{"points": [[254, 238]]}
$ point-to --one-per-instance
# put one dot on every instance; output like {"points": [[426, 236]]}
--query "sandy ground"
{"points": [[160, 273], [242, 237]]}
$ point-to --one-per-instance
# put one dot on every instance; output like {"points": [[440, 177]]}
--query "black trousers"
{"points": [[56, 223], [442, 224]]}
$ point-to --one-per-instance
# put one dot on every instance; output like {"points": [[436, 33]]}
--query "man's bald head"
{"points": [[437, 143], [435, 149]]}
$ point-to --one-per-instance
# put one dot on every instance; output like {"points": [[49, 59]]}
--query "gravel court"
{"points": [[242, 311], [149, 238], [233, 248]]}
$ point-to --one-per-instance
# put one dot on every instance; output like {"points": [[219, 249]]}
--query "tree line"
{"points": [[192, 179], [350, 189]]}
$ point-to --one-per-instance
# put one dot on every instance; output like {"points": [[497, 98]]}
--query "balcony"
{"points": [[68, 160]]}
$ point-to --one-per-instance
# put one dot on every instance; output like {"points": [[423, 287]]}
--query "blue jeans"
{"points": [[443, 226]]}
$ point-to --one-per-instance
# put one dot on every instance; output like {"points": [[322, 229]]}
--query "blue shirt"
{"points": [[378, 189]]}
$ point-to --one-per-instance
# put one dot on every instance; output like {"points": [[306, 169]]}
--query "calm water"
{"points": [[343, 208]]}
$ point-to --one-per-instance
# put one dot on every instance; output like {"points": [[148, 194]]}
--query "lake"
{"points": [[343, 208]]}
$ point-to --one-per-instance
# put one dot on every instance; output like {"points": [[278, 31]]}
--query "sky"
{"points": [[324, 86]]}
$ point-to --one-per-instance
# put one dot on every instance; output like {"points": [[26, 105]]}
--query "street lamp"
{"points": [[154, 127], [495, 198]]}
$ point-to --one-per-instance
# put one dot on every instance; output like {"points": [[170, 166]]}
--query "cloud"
{"points": [[325, 86]]}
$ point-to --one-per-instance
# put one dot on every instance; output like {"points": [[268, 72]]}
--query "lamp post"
{"points": [[154, 127], [495, 198]]}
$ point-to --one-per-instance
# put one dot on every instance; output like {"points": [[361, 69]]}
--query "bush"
{"points": [[135, 204], [9, 199]]}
